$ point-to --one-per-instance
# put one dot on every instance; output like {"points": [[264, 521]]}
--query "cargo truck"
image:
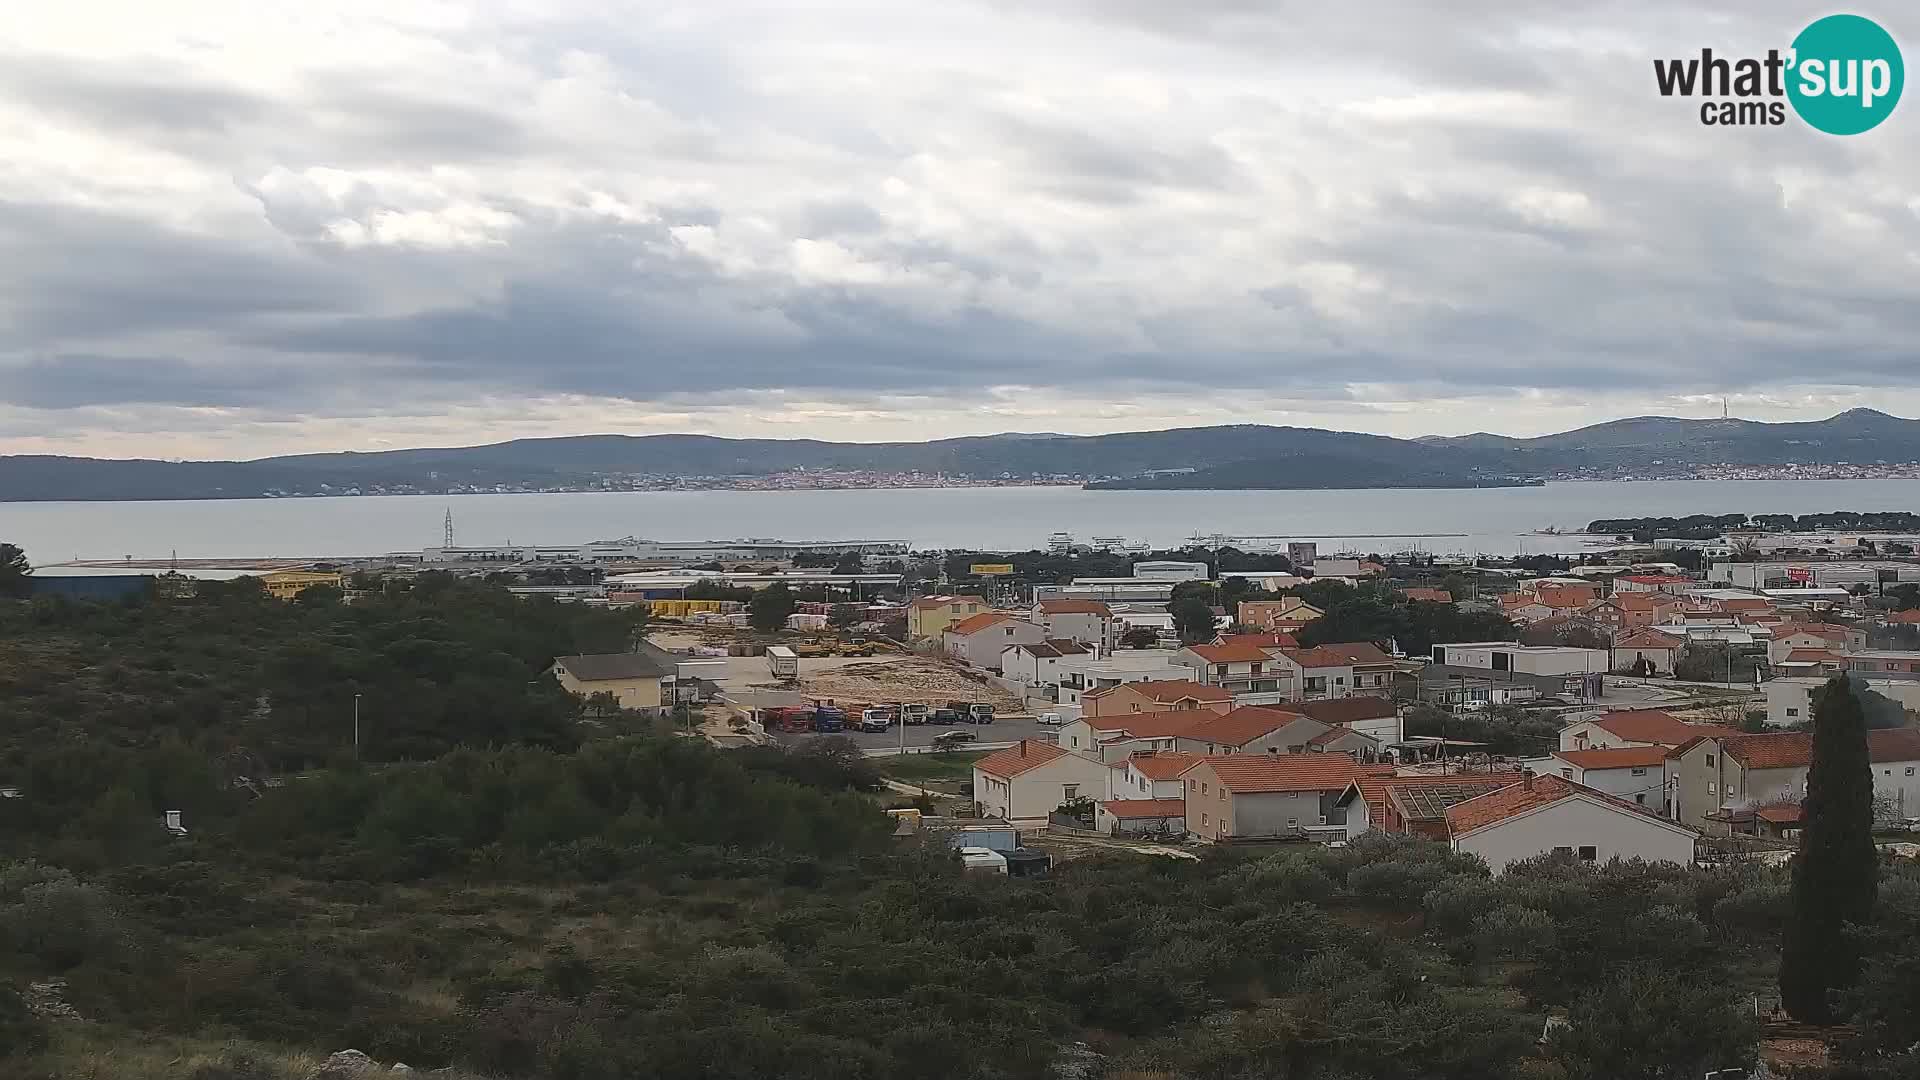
{"points": [[782, 662]]}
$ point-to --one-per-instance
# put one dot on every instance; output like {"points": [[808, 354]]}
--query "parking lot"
{"points": [[918, 736]]}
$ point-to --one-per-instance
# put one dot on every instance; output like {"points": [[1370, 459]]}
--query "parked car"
{"points": [[1048, 719], [944, 716], [947, 740], [876, 719]]}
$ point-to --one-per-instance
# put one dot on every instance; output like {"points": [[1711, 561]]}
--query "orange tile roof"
{"points": [[1242, 725], [1655, 579], [975, 623], [1254, 774], [1228, 654], [1340, 711], [1152, 725], [1075, 607], [1342, 654], [1794, 749], [1515, 799], [1755, 603], [1648, 638], [1163, 690], [1911, 616], [1437, 596], [1654, 726], [1165, 765], [1146, 808], [1015, 760], [1625, 757], [1781, 815], [1259, 641], [1813, 656]]}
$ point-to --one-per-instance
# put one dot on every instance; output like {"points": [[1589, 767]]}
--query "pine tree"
{"points": [[1836, 869]]}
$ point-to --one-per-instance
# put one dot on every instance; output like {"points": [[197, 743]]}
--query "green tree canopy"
{"points": [[770, 607]]}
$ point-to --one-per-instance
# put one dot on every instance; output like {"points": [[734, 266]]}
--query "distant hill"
{"points": [[1236, 456]]}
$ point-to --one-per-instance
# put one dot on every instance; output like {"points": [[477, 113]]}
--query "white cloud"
{"points": [[870, 220]]}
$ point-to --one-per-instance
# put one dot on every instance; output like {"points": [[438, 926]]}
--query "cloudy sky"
{"points": [[241, 228]]}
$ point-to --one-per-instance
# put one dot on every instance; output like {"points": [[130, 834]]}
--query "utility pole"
{"points": [[356, 727]]}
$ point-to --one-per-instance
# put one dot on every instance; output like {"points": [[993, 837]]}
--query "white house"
{"points": [[1149, 775], [979, 640], [1251, 730], [1030, 780], [1239, 669], [1647, 644], [1637, 774], [1739, 772], [1337, 670], [1045, 663], [1088, 622], [1112, 738], [1542, 814], [1641, 727]]}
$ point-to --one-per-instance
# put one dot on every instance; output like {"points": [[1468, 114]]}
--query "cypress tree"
{"points": [[1835, 871]]}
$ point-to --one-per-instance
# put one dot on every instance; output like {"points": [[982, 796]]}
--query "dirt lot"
{"points": [[904, 679]]}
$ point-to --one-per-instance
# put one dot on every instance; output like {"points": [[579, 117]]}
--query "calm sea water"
{"points": [[1492, 520]]}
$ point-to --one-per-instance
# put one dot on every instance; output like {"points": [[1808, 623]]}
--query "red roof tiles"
{"points": [[1014, 760], [1528, 795], [975, 623], [1075, 607], [1165, 690], [1251, 774], [1343, 654], [1434, 596], [1241, 726], [1654, 726], [1625, 757], [1165, 765], [1794, 749], [1229, 654], [1146, 808]]}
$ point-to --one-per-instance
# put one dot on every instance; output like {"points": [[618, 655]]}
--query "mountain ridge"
{"points": [[1222, 456]]}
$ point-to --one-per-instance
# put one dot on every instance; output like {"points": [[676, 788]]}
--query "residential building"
{"points": [[1376, 717], [1647, 645], [1150, 775], [1639, 727], [1142, 817], [929, 616], [1116, 668], [1543, 814], [1830, 637], [1884, 664], [1157, 695], [1604, 616], [1337, 671], [1264, 640], [1252, 796], [1267, 613], [634, 679], [1113, 738], [1338, 568], [1526, 659], [1044, 663], [1739, 772], [1643, 609], [1250, 730], [287, 584], [1431, 596], [1414, 805], [1030, 780], [1637, 774], [1451, 687], [1790, 697], [1238, 669], [1672, 584], [979, 640], [1089, 622]]}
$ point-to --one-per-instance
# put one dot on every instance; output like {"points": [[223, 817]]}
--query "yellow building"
{"points": [[287, 584], [635, 679], [929, 616]]}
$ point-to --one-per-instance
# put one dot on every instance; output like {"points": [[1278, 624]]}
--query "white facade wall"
{"points": [[1644, 785], [1577, 822], [1037, 792], [1083, 627], [1019, 666], [1130, 783], [982, 648]]}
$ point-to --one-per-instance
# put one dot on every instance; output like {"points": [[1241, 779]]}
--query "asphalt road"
{"points": [[1000, 732]]}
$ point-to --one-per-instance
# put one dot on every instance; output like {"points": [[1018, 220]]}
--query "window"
{"points": [[1709, 761], [1223, 794], [1909, 770], [1568, 773], [1641, 798], [1275, 750], [1639, 772], [1072, 792], [1711, 790], [1563, 850], [1203, 788], [1339, 680], [1793, 712], [1589, 853], [1203, 819], [1293, 823], [1193, 785]]}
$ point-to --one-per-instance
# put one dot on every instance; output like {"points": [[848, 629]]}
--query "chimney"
{"points": [[1023, 748], [1526, 778]]}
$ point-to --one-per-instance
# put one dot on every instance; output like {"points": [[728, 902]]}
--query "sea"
{"points": [[1494, 521]]}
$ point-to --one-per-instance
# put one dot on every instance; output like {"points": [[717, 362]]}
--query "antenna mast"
{"points": [[447, 539]]}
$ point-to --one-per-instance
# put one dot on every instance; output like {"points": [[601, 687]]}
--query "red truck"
{"points": [[789, 719]]}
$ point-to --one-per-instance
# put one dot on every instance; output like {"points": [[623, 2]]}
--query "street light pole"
{"points": [[356, 726]]}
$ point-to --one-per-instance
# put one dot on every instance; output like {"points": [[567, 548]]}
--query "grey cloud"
{"points": [[151, 98]]}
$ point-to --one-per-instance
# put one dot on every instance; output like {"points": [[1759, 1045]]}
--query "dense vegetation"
{"points": [[1709, 526], [1380, 614], [588, 903]]}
